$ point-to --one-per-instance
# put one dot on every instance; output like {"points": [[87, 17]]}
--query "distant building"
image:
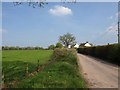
{"points": [[76, 46], [87, 44], [69, 46], [73, 46]]}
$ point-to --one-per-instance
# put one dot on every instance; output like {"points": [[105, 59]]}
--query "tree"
{"points": [[67, 39], [59, 45], [39, 3], [38, 48], [32, 3], [5, 48], [51, 47]]}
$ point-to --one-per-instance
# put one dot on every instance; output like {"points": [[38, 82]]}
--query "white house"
{"points": [[87, 45], [76, 46], [69, 46]]}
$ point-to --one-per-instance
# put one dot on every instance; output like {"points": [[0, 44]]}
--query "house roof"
{"points": [[87, 44], [76, 45]]}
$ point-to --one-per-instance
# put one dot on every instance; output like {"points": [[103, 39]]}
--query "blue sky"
{"points": [[26, 26]]}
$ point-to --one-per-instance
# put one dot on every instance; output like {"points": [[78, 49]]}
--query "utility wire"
{"points": [[102, 36]]}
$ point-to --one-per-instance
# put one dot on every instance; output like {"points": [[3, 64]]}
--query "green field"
{"points": [[15, 62], [58, 74], [27, 55]]}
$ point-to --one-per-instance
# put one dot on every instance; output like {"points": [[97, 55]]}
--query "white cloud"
{"points": [[113, 28], [60, 11]]}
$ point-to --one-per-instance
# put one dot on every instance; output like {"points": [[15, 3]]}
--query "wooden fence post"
{"points": [[3, 79], [27, 69], [38, 66]]}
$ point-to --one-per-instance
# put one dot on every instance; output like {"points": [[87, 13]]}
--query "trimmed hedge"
{"points": [[110, 53]]}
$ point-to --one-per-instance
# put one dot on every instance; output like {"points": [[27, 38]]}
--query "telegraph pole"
{"points": [[118, 33]]}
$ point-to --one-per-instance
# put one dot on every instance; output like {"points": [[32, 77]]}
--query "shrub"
{"points": [[51, 47], [62, 54], [59, 45]]}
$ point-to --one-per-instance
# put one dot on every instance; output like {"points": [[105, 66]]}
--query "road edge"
{"points": [[82, 73]]}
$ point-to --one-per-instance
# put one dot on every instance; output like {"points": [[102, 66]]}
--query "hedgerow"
{"points": [[110, 53]]}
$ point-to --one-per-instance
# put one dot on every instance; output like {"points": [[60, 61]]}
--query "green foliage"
{"points": [[21, 48], [51, 47], [58, 75], [63, 73], [59, 45], [67, 39], [14, 63], [63, 54], [109, 53]]}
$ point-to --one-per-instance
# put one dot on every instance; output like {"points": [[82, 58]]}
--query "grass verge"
{"points": [[63, 73]]}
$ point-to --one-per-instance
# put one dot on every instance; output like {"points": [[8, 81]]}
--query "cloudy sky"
{"points": [[26, 26]]}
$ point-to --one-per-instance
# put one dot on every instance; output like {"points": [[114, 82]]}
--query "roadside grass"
{"points": [[58, 75], [63, 73]]}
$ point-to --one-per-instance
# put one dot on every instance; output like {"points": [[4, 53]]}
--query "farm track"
{"points": [[98, 74]]}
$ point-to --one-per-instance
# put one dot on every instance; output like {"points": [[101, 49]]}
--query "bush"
{"points": [[63, 54], [109, 53], [59, 45], [51, 47]]}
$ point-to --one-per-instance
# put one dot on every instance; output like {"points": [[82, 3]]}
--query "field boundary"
{"points": [[13, 83]]}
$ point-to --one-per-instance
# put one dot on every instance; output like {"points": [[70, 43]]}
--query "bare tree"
{"points": [[40, 3]]}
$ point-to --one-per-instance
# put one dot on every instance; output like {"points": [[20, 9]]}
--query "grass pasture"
{"points": [[15, 62], [60, 74]]}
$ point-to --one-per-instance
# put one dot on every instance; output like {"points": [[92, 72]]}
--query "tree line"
{"points": [[64, 42], [21, 48], [51, 47]]}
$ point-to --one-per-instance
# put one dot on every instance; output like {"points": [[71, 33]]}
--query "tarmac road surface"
{"points": [[98, 74]]}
